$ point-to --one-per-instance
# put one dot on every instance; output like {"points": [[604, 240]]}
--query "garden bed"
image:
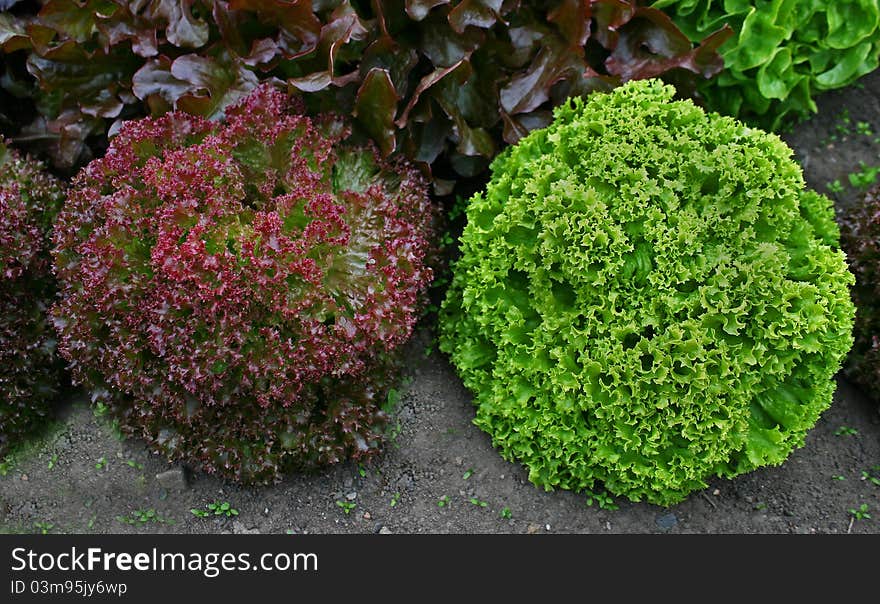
{"points": [[440, 473]]}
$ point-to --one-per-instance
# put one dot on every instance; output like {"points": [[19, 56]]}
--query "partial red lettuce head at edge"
{"points": [[29, 369], [237, 291], [860, 237]]}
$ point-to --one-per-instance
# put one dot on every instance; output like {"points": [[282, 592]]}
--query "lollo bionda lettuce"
{"points": [[647, 297]]}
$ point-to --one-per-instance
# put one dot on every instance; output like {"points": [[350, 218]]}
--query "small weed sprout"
{"points": [[860, 513]]}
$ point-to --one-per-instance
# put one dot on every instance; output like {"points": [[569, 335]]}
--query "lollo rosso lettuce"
{"points": [[29, 368], [448, 83], [647, 296], [783, 52], [861, 241], [237, 291]]}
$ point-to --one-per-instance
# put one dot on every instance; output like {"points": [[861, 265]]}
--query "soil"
{"points": [[440, 474]]}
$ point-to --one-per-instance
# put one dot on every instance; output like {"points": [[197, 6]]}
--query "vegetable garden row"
{"points": [[223, 220]]}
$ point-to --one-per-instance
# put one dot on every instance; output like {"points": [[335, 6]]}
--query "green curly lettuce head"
{"points": [[783, 52], [647, 296]]}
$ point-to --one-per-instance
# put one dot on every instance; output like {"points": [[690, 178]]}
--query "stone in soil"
{"points": [[667, 521], [173, 479]]}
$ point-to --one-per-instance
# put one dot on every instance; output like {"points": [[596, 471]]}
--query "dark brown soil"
{"points": [[441, 474]]}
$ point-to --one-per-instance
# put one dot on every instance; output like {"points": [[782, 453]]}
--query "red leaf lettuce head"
{"points": [[29, 369], [237, 291], [860, 237]]}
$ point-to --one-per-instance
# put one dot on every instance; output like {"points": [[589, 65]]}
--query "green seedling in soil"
{"points": [[760, 506], [44, 527], [505, 513], [865, 177], [866, 475], [52, 461], [100, 411], [467, 474], [845, 431], [361, 471], [864, 129], [391, 401], [91, 523], [133, 464], [395, 499], [478, 503], [31, 446], [347, 506], [394, 433], [458, 207], [843, 123], [215, 508], [861, 513], [834, 186], [601, 499], [443, 501], [143, 517], [839, 477], [101, 463]]}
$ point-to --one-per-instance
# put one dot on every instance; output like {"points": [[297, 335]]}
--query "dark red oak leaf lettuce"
{"points": [[448, 83], [237, 291]]}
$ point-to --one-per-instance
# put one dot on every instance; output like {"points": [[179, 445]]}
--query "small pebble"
{"points": [[666, 521]]}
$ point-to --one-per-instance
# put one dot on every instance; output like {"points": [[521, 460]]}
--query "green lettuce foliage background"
{"points": [[783, 52], [647, 296]]}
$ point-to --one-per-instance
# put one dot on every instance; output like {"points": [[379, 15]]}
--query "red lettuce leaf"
{"points": [[478, 74]]}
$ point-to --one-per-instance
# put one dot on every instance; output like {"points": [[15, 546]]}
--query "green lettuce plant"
{"points": [[783, 52], [647, 296]]}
